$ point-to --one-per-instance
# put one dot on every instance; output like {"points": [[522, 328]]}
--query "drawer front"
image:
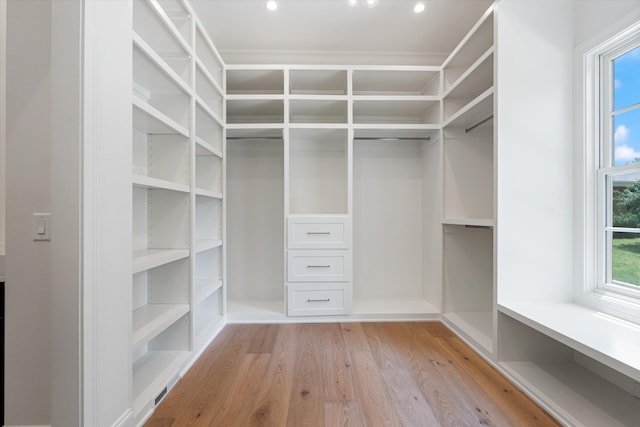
{"points": [[318, 233], [312, 300], [318, 266]]}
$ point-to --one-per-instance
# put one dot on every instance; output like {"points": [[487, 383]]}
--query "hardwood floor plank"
{"points": [[264, 339], [407, 398], [242, 395], [337, 371], [377, 407], [486, 411], [521, 410], [214, 386], [272, 402], [343, 414], [306, 404], [354, 337], [383, 351]]}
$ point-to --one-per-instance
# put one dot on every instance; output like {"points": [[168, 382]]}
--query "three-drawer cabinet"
{"points": [[318, 265]]}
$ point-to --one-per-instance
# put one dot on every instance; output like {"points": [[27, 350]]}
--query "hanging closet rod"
{"points": [[270, 138], [481, 122], [363, 138]]}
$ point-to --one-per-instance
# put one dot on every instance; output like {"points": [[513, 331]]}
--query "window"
{"points": [[618, 169]]}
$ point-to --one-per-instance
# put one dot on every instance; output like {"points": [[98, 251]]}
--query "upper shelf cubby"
{"points": [[180, 17], [398, 82], [318, 82], [209, 58], [414, 112], [255, 82], [475, 44], [154, 31]]}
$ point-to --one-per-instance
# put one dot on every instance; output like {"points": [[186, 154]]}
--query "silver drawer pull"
{"points": [[318, 266], [319, 300], [318, 232]]}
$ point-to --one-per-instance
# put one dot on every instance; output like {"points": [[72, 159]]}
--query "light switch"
{"points": [[42, 227]]}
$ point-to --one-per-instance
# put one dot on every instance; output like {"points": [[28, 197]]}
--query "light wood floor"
{"points": [[349, 374]]}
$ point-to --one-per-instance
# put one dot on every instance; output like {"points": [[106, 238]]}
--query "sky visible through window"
{"points": [[626, 71]]}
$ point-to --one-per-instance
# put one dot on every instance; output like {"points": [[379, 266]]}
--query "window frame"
{"points": [[598, 156]]}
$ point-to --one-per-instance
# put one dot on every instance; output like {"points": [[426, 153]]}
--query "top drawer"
{"points": [[318, 233]]}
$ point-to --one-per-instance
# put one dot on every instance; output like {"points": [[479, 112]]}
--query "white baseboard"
{"points": [[126, 420], [44, 425]]}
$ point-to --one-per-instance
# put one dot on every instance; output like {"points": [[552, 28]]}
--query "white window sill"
{"points": [[611, 341]]}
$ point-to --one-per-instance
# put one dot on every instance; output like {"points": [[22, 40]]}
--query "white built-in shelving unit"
{"points": [[178, 196]]}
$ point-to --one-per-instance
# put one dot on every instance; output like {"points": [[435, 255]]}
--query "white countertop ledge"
{"points": [[609, 340]]}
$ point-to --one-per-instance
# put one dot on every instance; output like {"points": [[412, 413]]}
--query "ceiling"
{"points": [[244, 29]]}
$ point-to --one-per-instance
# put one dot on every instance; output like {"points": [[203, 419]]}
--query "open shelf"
{"points": [[203, 245], [161, 161], [255, 111], [162, 36], [209, 173], [147, 259], [205, 287], [397, 81], [179, 16], [142, 181], [208, 315], [249, 311], [208, 92], [152, 372], [255, 82], [152, 319], [476, 113], [152, 121], [209, 57], [475, 80], [209, 131], [572, 385], [317, 111], [208, 224], [476, 326], [396, 111], [318, 82]]}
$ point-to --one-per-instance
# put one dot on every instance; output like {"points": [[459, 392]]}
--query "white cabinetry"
{"points": [[178, 187]]}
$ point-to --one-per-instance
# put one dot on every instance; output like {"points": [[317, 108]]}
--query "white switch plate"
{"points": [[41, 227]]}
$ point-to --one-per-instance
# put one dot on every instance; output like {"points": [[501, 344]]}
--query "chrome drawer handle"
{"points": [[318, 232], [318, 266], [319, 300]]}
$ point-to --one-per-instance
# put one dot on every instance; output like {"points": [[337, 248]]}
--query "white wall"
{"points": [[28, 291], [596, 16], [3, 53], [534, 150]]}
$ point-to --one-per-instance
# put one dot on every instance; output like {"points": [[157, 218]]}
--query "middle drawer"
{"points": [[318, 266]]}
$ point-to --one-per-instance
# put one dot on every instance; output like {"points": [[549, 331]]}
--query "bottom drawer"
{"points": [[318, 299]]}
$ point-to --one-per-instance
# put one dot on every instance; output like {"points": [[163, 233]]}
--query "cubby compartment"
{"points": [[208, 219], [317, 111], [209, 58], [255, 82], [255, 111], [471, 85], [207, 273], [209, 133], [208, 93], [163, 157], [318, 82], [402, 82], [209, 175], [420, 111], [208, 316], [156, 364], [468, 282], [154, 87], [468, 175], [255, 224], [318, 171], [160, 227], [572, 386], [152, 33], [476, 44], [179, 16]]}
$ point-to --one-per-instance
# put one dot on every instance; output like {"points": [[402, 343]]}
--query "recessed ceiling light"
{"points": [[352, 2], [272, 5], [371, 3], [419, 8]]}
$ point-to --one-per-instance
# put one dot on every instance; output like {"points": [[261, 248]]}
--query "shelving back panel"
{"points": [[317, 111], [209, 58], [179, 16], [396, 112], [255, 82], [208, 92], [468, 175], [318, 171], [468, 269], [387, 218], [318, 82], [255, 111], [208, 129], [160, 219], [154, 31], [208, 265], [161, 156], [208, 218], [255, 219], [396, 82], [209, 173]]}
